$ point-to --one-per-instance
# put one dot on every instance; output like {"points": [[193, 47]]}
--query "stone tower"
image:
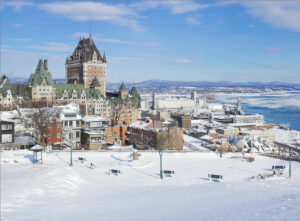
{"points": [[86, 64]]}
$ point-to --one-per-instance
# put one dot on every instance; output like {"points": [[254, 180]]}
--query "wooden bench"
{"points": [[278, 167], [215, 177], [81, 159], [168, 172], [114, 172]]}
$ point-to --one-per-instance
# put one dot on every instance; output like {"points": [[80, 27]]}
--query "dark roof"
{"points": [[85, 50]]}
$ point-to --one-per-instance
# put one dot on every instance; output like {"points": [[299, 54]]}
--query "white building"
{"points": [[71, 118], [177, 103], [253, 119]]}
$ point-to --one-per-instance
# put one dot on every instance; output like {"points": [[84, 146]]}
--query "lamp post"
{"points": [[160, 154], [290, 163], [71, 146]]}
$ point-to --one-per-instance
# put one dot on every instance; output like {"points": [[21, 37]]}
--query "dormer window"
{"points": [[44, 83], [95, 56]]}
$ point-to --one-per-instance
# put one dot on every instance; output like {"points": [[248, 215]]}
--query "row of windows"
{"points": [[43, 90], [70, 123], [6, 126], [57, 125], [50, 136]]}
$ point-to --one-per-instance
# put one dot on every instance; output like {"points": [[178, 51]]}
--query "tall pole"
{"points": [[290, 156], [290, 163], [71, 158], [161, 172]]}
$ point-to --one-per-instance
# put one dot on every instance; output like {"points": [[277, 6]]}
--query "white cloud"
{"points": [[22, 39], [97, 37], [119, 14], [192, 20], [80, 35], [22, 63], [274, 50], [280, 14], [251, 26], [176, 7], [115, 41], [53, 46], [16, 25], [17, 4], [153, 44], [182, 61]]}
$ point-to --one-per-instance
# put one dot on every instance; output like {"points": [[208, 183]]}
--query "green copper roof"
{"points": [[122, 87], [21, 90], [95, 83], [134, 91], [39, 75], [90, 93]]}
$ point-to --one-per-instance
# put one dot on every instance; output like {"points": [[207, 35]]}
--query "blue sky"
{"points": [[168, 40]]}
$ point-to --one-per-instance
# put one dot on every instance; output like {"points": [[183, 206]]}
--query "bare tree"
{"points": [[117, 109], [41, 118]]}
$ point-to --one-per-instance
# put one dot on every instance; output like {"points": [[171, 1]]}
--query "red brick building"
{"points": [[54, 133]]}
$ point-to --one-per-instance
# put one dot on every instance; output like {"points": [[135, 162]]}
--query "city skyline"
{"points": [[166, 40]]}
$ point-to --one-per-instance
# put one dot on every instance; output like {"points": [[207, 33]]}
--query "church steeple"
{"points": [[104, 57]]}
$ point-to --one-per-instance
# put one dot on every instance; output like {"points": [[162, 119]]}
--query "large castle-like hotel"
{"points": [[86, 66], [85, 85]]}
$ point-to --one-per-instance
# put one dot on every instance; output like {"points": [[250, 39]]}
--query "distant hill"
{"points": [[200, 84], [176, 84]]}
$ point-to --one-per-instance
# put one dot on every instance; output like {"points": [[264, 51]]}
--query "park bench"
{"points": [[81, 159], [215, 177], [278, 167], [168, 172], [114, 172]]}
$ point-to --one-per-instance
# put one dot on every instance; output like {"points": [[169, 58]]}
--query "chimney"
{"points": [[56, 82], [46, 64]]}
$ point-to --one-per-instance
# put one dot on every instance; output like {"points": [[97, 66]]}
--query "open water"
{"points": [[278, 108]]}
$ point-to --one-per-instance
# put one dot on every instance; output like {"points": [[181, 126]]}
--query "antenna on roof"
{"points": [[90, 31]]}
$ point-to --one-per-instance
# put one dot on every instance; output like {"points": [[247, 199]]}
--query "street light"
{"points": [[290, 163], [70, 144], [160, 154]]}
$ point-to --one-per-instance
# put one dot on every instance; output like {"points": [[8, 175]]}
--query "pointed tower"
{"points": [[123, 91], [41, 85], [104, 57], [85, 64]]}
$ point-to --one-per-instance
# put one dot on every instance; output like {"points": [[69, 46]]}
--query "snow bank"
{"points": [[56, 191]]}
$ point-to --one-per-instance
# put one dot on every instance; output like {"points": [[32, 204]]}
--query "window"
{"points": [[110, 134], [66, 123], [77, 123], [58, 125], [77, 134], [58, 135], [6, 127], [115, 134], [71, 123], [49, 136]]}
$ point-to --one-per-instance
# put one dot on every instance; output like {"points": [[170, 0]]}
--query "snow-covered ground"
{"points": [[56, 191], [192, 143]]}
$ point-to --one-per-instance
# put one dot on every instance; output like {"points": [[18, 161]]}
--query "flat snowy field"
{"points": [[56, 191]]}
